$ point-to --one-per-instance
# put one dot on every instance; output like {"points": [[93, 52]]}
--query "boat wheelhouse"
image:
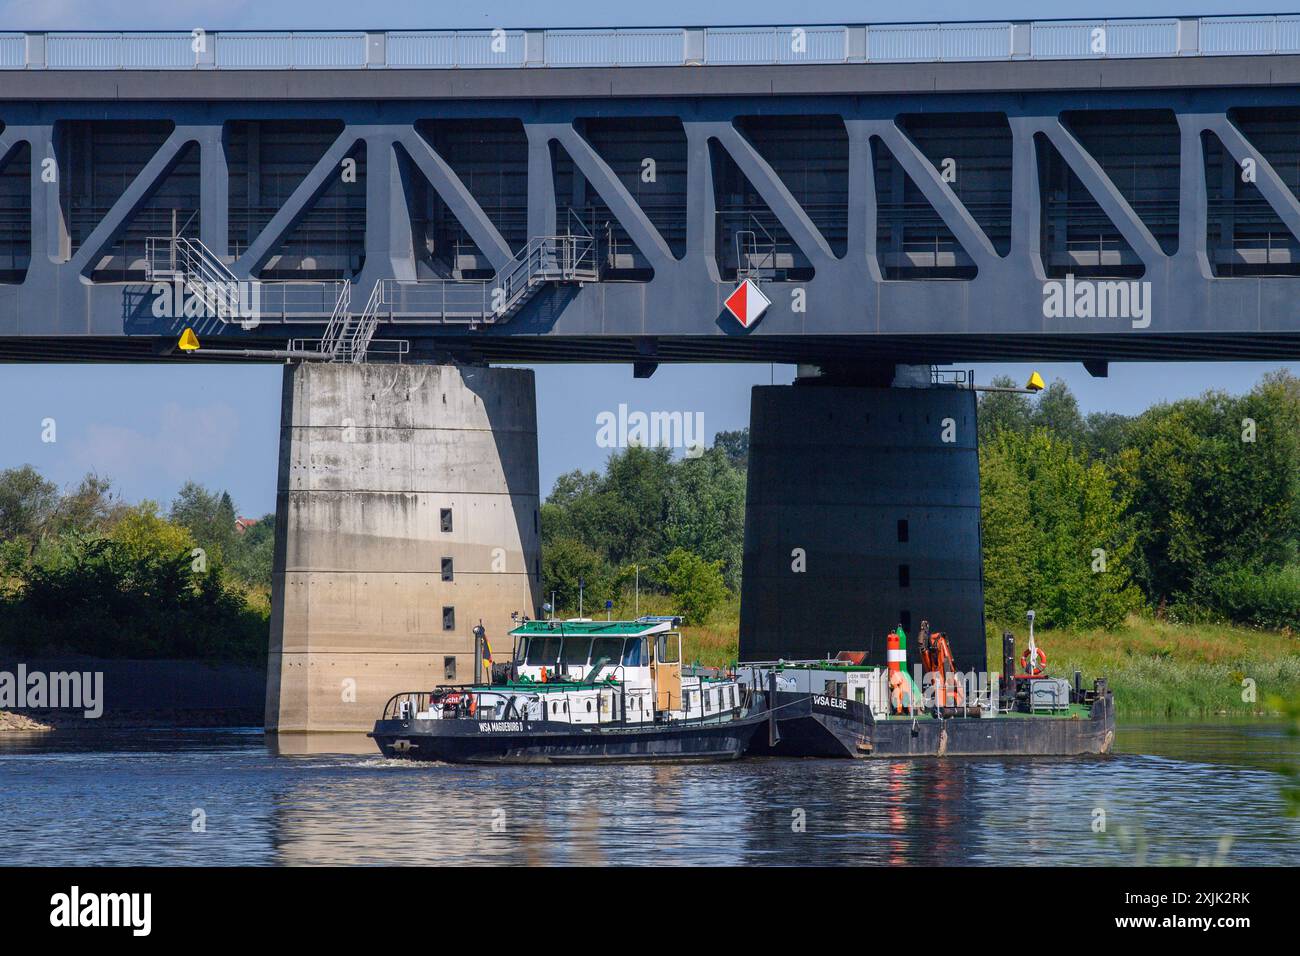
{"points": [[576, 690], [638, 662]]}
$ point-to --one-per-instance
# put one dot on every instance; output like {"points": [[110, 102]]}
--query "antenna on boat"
{"points": [[637, 607], [1033, 647]]}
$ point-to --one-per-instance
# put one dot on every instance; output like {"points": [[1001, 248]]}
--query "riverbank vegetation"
{"points": [[1161, 550], [83, 572], [1160, 668]]}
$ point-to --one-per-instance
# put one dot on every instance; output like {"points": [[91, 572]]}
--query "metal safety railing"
{"points": [[656, 46], [543, 260], [755, 252], [202, 273], [339, 320]]}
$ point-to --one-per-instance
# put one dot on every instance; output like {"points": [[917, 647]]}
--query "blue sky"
{"points": [[151, 427]]}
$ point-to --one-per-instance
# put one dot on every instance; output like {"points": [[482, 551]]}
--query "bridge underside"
{"points": [[883, 224]]}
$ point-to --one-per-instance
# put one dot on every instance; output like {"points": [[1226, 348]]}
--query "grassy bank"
{"points": [[1158, 669]]}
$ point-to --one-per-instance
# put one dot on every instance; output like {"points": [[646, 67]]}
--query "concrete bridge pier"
{"points": [[406, 512], [862, 513]]}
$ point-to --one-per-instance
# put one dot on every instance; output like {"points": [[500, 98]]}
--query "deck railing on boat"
{"points": [[406, 704]]}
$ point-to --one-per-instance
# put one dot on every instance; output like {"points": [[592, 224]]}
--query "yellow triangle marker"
{"points": [[189, 341], [1035, 383]]}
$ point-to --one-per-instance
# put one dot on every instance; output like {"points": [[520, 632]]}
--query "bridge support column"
{"points": [[406, 512], [862, 513]]}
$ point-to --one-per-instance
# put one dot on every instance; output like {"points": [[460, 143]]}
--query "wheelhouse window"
{"points": [[609, 648], [576, 650], [543, 651], [634, 653], [668, 649]]}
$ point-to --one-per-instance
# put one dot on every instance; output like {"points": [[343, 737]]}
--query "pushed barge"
{"points": [[842, 707], [577, 691]]}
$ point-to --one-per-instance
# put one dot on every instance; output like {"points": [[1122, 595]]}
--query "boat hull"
{"points": [[1010, 735], [807, 728], [548, 742], [814, 725]]}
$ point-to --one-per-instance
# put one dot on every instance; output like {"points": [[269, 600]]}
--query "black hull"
{"points": [[1008, 736], [807, 728], [811, 725], [546, 742]]}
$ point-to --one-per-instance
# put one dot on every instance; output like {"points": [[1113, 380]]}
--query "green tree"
{"points": [[1010, 574], [620, 515], [1106, 434], [735, 445], [1214, 485], [27, 501], [1002, 411], [634, 504], [147, 536], [253, 552], [706, 512], [565, 563], [1057, 410], [92, 506], [695, 583], [1054, 534], [209, 516]]}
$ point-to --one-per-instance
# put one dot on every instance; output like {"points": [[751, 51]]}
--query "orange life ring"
{"points": [[1039, 669]]}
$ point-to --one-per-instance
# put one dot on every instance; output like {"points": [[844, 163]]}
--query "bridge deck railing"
{"points": [[663, 46]]}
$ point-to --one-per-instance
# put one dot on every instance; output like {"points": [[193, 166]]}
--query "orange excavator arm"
{"points": [[937, 659]]}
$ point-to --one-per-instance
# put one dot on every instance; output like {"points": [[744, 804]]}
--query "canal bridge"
{"points": [[392, 212]]}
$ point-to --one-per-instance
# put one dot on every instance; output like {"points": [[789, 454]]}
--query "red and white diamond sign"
{"points": [[747, 303]]}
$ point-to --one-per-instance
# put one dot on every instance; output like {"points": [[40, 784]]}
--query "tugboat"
{"points": [[576, 691], [842, 707]]}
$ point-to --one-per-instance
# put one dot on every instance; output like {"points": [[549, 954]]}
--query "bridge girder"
{"points": [[841, 302]]}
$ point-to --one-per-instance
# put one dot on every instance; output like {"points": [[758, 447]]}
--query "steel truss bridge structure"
{"points": [[901, 193]]}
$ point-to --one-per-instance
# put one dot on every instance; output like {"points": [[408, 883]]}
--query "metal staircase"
{"points": [[350, 337], [755, 252], [543, 261], [201, 272]]}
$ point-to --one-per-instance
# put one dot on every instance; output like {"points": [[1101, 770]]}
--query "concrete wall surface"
{"points": [[373, 460]]}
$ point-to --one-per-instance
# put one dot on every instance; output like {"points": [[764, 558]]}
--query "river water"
{"points": [[1173, 793]]}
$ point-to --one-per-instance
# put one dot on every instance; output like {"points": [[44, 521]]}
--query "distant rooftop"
{"points": [[649, 47]]}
